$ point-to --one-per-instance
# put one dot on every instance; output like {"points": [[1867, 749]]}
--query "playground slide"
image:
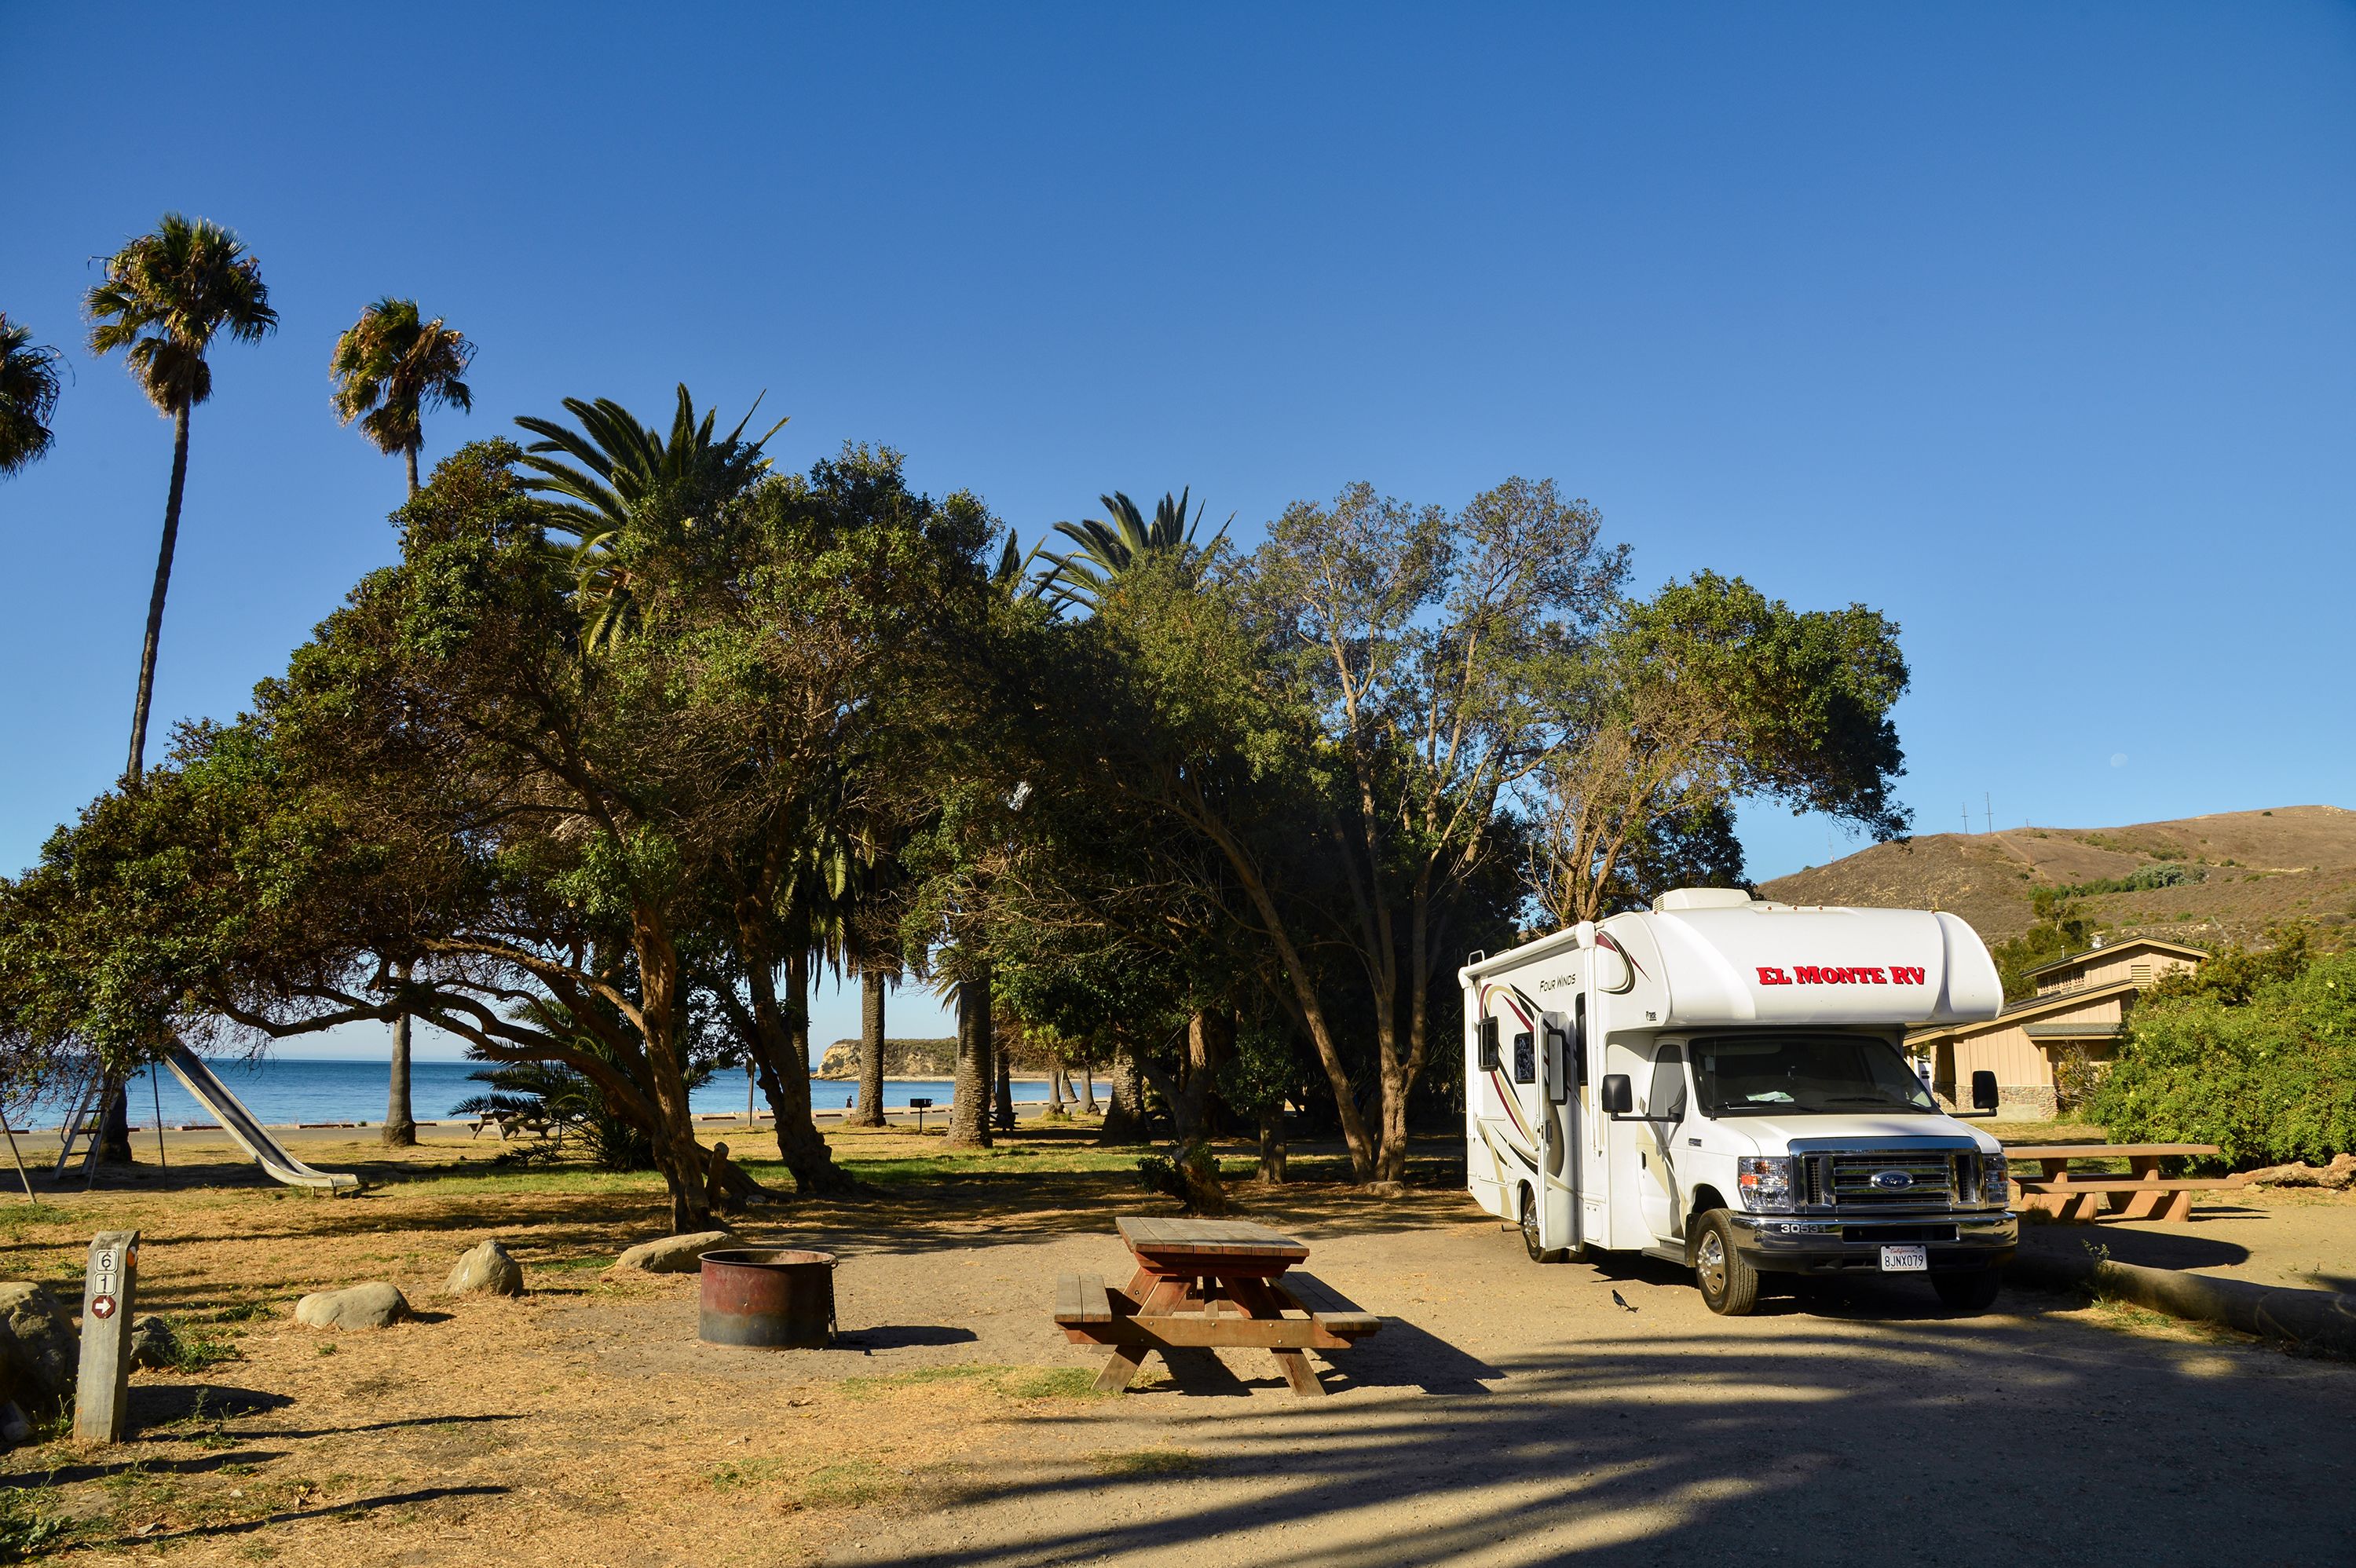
{"points": [[230, 1112]]}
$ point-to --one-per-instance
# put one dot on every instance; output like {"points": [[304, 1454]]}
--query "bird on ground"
{"points": [[1621, 1302]]}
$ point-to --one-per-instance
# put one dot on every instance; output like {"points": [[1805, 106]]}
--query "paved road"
{"points": [[1510, 1413]]}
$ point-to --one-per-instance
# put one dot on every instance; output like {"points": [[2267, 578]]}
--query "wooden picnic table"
{"points": [[1209, 1282], [2142, 1194]]}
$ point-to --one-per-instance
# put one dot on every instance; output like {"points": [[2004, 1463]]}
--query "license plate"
{"points": [[1905, 1260]]}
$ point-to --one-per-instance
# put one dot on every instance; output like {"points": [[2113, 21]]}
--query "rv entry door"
{"points": [[1665, 1114], [1559, 1108]]}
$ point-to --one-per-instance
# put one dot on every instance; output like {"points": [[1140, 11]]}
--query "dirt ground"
{"points": [[1507, 1413]]}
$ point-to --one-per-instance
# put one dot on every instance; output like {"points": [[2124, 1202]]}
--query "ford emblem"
{"points": [[1890, 1180]]}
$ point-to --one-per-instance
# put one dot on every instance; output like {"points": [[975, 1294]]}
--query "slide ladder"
{"points": [[85, 1110], [209, 1091]]}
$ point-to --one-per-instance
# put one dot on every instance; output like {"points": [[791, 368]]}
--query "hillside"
{"points": [[2246, 870]]}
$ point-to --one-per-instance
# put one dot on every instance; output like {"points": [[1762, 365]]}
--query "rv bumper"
{"points": [[1794, 1243]]}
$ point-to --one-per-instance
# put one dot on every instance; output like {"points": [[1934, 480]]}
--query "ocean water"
{"points": [[282, 1089]]}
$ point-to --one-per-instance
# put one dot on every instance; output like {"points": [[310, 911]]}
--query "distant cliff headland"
{"points": [[915, 1059]]}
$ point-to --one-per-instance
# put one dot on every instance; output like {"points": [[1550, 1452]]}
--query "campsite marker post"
{"points": [[107, 1290]]}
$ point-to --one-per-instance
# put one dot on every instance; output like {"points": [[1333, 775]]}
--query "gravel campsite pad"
{"points": [[1506, 1413]]}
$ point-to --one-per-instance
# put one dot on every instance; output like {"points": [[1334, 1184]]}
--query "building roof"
{"points": [[2031, 1007], [2152, 944]]}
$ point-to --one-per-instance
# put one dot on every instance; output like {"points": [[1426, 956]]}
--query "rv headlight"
{"points": [[1764, 1182], [1995, 1173]]}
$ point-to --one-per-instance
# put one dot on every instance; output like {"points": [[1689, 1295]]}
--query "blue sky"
{"points": [[2034, 328]]}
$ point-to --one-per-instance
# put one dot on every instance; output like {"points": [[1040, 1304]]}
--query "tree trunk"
{"points": [[1390, 1160], [1124, 1120], [677, 1153], [869, 1113], [976, 1069], [400, 1122], [1271, 1144], [1210, 1042], [399, 1118], [114, 1122], [156, 598], [1058, 1091], [783, 1027], [1089, 1089], [1004, 1116]]}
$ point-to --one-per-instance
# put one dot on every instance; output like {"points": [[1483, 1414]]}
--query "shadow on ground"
{"points": [[2007, 1439]]}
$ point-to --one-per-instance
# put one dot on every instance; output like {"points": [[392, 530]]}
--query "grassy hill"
{"points": [[2244, 871]]}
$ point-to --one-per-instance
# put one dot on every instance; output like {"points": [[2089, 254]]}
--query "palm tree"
{"points": [[166, 295], [28, 395], [390, 367], [1107, 549], [622, 466]]}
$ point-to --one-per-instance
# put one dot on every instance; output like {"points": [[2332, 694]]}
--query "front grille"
{"points": [[1870, 1180], [1887, 1233]]}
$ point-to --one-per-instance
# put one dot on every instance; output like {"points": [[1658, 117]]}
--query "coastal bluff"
{"points": [[923, 1059], [902, 1059]]}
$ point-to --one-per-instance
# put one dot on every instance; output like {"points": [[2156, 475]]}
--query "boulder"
{"points": [[373, 1305], [675, 1255], [486, 1268], [153, 1343], [39, 1352]]}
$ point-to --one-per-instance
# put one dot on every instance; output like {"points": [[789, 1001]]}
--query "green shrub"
{"points": [[2268, 1080]]}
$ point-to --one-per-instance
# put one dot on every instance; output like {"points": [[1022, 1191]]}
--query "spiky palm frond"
{"points": [[618, 468], [1105, 550], [164, 298], [622, 464], [391, 366], [28, 396]]}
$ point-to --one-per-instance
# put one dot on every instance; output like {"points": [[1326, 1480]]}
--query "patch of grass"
{"points": [[327, 1349], [2126, 1317], [1052, 1383], [195, 1351], [586, 1261], [205, 1429], [136, 1486], [1145, 1462], [917, 1377], [26, 1529], [738, 1473], [854, 1483]]}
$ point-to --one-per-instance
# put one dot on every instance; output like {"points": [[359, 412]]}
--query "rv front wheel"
{"points": [[1730, 1286], [1538, 1254], [1974, 1291]]}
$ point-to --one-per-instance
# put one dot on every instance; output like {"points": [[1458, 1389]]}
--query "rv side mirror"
{"points": [[1617, 1100], [1984, 1094]]}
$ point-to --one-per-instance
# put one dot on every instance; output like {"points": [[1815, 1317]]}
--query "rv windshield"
{"points": [[1804, 1074]]}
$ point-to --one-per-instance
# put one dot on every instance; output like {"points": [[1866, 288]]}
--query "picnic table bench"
{"points": [[2143, 1194], [1209, 1282], [506, 1122]]}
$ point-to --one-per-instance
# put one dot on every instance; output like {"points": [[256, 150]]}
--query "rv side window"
{"points": [[1666, 1098], [1526, 1059], [1488, 1045]]}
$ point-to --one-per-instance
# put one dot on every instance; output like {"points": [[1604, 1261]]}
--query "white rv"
{"points": [[1721, 1082]]}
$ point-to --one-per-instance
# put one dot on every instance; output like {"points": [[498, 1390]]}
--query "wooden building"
{"points": [[2082, 1004]]}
